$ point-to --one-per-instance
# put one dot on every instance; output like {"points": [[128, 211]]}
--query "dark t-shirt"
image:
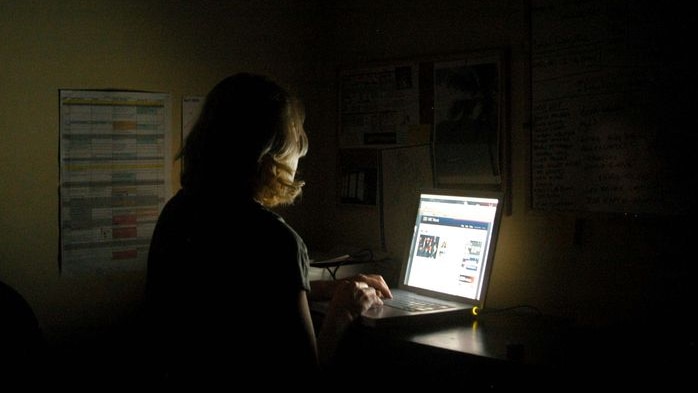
{"points": [[222, 291]]}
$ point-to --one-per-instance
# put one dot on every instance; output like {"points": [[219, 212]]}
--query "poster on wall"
{"points": [[468, 121], [379, 106], [115, 176]]}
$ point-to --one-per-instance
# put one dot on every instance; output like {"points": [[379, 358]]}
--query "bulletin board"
{"points": [[453, 104], [611, 87]]}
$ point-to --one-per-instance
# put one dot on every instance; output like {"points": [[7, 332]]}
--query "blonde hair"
{"points": [[277, 184], [261, 118]]}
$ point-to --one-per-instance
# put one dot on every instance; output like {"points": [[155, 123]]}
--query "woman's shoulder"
{"points": [[177, 207], [274, 225], [267, 218], [178, 201]]}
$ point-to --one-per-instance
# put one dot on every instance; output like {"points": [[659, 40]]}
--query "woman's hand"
{"points": [[352, 296], [325, 289], [375, 281]]}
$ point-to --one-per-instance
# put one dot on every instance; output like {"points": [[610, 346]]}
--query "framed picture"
{"points": [[468, 122]]}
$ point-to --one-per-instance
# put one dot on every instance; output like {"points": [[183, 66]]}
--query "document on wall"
{"points": [[115, 177], [191, 108], [379, 106]]}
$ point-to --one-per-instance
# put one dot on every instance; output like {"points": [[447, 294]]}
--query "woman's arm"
{"points": [[311, 341], [349, 300]]}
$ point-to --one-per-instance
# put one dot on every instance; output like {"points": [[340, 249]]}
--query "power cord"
{"points": [[361, 256], [523, 308]]}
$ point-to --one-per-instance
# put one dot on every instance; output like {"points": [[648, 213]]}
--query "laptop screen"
{"points": [[453, 243]]}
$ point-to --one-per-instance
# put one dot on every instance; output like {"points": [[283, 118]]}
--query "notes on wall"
{"points": [[610, 130], [380, 106], [191, 108], [455, 104]]}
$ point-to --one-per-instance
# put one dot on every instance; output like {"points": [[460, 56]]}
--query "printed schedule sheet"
{"points": [[115, 176]]}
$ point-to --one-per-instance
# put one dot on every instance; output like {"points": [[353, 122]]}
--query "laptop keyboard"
{"points": [[412, 304]]}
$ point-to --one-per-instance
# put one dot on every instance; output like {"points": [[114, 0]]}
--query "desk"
{"points": [[497, 350], [513, 350]]}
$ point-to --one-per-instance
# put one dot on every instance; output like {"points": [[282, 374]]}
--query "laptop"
{"points": [[446, 271]]}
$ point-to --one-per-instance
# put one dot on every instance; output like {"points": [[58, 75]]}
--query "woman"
{"points": [[227, 279]]}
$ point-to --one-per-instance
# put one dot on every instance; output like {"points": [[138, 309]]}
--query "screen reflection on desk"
{"points": [[466, 339], [497, 350]]}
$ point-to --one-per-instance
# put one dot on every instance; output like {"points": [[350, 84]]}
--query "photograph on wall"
{"points": [[467, 121]]}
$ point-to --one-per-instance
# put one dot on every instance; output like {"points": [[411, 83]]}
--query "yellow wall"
{"points": [[182, 48], [597, 269]]}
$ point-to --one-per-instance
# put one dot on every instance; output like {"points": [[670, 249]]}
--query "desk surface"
{"points": [[525, 338], [496, 350], [510, 350], [528, 339]]}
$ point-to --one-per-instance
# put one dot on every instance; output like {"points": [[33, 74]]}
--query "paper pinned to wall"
{"points": [[612, 129], [115, 177], [191, 108]]}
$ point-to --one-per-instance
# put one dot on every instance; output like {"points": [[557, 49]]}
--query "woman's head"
{"points": [[250, 132]]}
